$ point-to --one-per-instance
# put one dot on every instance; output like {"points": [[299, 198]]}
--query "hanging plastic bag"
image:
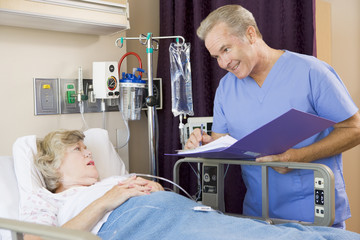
{"points": [[180, 69]]}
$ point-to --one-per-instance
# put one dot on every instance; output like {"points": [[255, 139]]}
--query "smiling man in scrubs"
{"points": [[263, 83]]}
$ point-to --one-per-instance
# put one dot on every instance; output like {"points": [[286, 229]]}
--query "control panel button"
{"points": [[319, 182], [319, 197], [319, 211], [206, 177]]}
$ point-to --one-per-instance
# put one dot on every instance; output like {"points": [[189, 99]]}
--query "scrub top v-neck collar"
{"points": [[261, 92]]}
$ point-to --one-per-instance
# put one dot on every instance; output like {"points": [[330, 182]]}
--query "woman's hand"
{"points": [[113, 198], [153, 185], [120, 193]]}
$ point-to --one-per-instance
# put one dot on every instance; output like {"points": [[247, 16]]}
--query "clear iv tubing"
{"points": [[166, 180], [79, 97], [127, 129], [181, 127], [103, 111], [81, 105]]}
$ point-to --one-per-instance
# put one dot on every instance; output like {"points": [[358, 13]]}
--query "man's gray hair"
{"points": [[235, 17]]}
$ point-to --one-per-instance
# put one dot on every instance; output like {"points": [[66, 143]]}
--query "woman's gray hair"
{"points": [[50, 152], [235, 17]]}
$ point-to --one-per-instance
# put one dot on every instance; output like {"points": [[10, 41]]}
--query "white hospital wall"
{"points": [[29, 53], [338, 44], [144, 18], [346, 60]]}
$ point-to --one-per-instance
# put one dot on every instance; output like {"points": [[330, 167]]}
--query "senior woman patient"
{"points": [[130, 207], [67, 167]]}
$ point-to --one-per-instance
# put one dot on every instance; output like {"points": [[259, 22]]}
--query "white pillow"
{"points": [[106, 159], [9, 193], [8, 189]]}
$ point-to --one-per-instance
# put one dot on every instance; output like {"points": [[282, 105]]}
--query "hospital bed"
{"points": [[18, 176]]}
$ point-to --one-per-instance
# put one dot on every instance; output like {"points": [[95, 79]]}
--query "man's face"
{"points": [[234, 54]]}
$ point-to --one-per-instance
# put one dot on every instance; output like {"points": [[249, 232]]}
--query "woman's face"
{"points": [[77, 167]]}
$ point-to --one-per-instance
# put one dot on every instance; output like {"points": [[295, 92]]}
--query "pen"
{"points": [[201, 131]]}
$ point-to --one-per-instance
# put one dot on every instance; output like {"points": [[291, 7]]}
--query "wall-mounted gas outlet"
{"points": [[68, 97], [46, 96]]}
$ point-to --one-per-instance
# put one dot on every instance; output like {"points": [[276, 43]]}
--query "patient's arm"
{"points": [[94, 212], [117, 195]]}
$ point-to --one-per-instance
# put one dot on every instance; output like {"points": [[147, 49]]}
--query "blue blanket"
{"points": [[166, 215]]}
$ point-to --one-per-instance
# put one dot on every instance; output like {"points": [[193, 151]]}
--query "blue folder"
{"points": [[275, 137]]}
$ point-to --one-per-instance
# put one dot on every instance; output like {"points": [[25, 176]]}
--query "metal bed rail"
{"points": [[18, 228], [213, 185]]}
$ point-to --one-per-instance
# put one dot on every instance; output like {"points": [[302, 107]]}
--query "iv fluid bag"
{"points": [[180, 69]]}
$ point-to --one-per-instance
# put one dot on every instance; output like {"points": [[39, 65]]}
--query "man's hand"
{"points": [[196, 138], [288, 156]]}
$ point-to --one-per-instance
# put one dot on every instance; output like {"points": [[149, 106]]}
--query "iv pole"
{"points": [[150, 100]]}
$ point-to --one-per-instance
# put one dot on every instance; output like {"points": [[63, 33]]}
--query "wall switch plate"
{"points": [[46, 96]]}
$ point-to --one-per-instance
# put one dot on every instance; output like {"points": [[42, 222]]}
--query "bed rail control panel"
{"points": [[213, 186], [319, 197], [213, 182], [210, 179]]}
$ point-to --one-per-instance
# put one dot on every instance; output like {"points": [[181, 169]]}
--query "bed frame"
{"points": [[212, 185], [17, 229]]}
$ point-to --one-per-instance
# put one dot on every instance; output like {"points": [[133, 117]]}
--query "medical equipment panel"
{"points": [[106, 80], [212, 186]]}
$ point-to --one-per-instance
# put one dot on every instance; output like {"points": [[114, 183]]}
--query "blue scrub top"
{"points": [[295, 81]]}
